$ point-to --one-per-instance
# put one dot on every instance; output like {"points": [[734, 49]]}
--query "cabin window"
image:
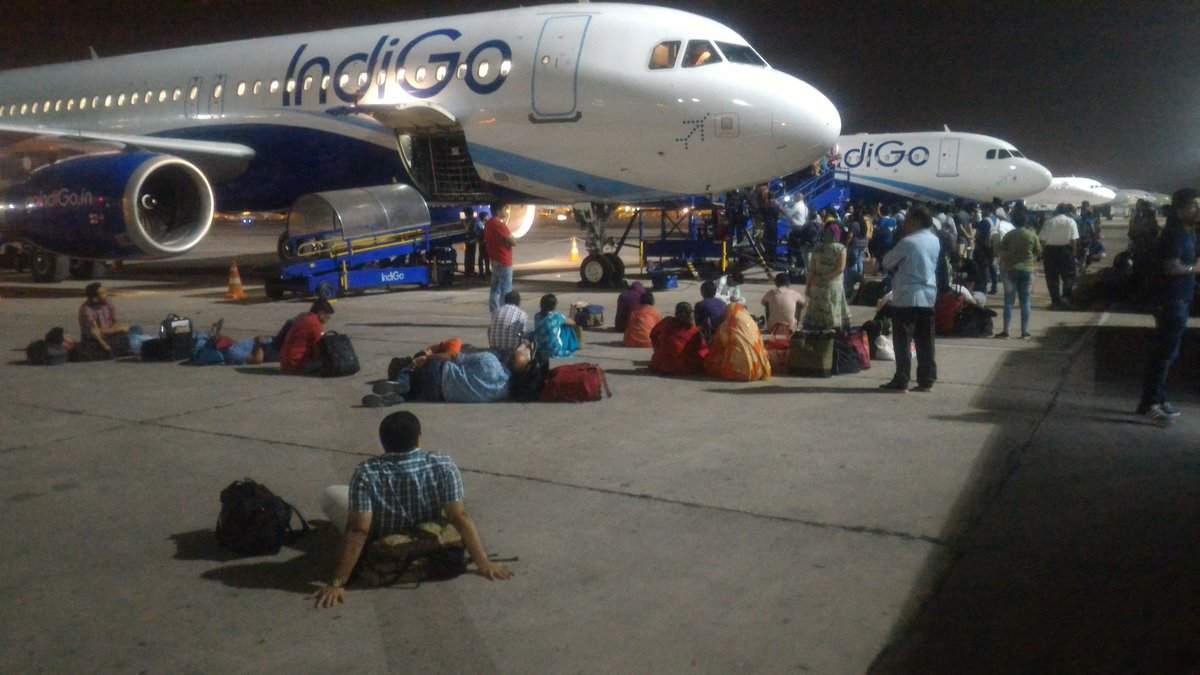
{"points": [[441, 73], [24, 108], [363, 79], [308, 81], [325, 83], [700, 53], [134, 98], [149, 97], [1, 111], [274, 86], [381, 78], [241, 89], [664, 55], [257, 87], [291, 86], [58, 105], [46, 107], [483, 69], [505, 67], [194, 93], [343, 80], [218, 90], [991, 154], [121, 101], [108, 101], [743, 54], [177, 95], [462, 71], [70, 105], [420, 74], [35, 109], [162, 96], [400, 74], [83, 103]]}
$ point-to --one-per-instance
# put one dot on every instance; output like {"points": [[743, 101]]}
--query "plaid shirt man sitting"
{"points": [[394, 492], [509, 327]]}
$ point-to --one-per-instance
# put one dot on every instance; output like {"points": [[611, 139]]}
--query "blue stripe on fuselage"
{"points": [[560, 177], [909, 188]]}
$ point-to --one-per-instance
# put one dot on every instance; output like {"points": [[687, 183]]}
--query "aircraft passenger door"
{"points": [[948, 158], [556, 69], [216, 97], [192, 96]]}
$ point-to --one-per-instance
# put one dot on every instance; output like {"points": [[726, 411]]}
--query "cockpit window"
{"points": [[991, 154], [1004, 154], [1015, 153], [740, 54], [700, 53], [664, 55]]}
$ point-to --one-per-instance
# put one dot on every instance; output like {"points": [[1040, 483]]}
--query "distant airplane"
{"points": [[1070, 190], [941, 166], [573, 103]]}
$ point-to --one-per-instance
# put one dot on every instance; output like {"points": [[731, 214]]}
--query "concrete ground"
{"points": [[1016, 519]]}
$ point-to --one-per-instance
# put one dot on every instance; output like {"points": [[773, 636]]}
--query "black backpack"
{"points": [[975, 321], [845, 358], [337, 355], [254, 521], [45, 353]]}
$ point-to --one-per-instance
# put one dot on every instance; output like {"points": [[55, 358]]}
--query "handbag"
{"points": [[777, 345]]}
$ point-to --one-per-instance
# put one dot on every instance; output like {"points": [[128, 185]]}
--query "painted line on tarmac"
{"points": [[854, 529]]}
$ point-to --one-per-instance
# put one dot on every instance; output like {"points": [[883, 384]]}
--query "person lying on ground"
{"points": [[394, 493], [629, 300], [679, 347], [299, 354], [467, 377], [784, 304], [98, 326], [641, 322], [554, 334], [250, 351]]}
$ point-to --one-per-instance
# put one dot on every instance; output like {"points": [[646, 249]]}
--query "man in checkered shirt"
{"points": [[395, 492], [509, 327]]}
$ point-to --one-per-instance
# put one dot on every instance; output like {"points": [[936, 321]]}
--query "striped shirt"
{"points": [[402, 490], [510, 325]]}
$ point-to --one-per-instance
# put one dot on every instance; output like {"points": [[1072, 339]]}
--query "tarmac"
{"points": [[1017, 519]]}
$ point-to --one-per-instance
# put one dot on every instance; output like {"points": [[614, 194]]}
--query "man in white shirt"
{"points": [[913, 263], [1000, 227], [1060, 237]]}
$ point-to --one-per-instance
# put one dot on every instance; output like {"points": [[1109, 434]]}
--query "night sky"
{"points": [[1106, 89]]}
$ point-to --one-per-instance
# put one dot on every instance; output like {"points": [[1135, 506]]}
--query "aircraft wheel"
{"points": [[595, 269], [47, 267], [283, 247], [274, 288], [618, 268]]}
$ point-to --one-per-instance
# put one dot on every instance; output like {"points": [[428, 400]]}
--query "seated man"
{"points": [[710, 311], [641, 322], [299, 354], [468, 377], [99, 331], [509, 327], [729, 288], [394, 493], [784, 304], [679, 348]]}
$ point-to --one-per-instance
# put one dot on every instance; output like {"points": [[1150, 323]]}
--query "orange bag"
{"points": [[737, 352]]}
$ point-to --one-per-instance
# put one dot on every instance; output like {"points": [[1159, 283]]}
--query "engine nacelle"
{"points": [[118, 206]]}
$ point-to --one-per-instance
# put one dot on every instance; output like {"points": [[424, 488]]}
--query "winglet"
{"points": [[92, 51], [946, 127]]}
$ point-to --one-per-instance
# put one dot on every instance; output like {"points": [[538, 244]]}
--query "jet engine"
{"points": [[112, 206]]}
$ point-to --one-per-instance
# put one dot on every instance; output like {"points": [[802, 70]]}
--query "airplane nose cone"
{"points": [[1041, 177], [806, 125]]}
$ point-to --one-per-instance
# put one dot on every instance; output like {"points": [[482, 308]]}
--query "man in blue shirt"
{"points": [[393, 493], [1176, 263], [913, 263], [710, 311]]}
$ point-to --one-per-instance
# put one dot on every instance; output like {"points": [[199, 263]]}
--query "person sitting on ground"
{"points": [[509, 327], [299, 354], [466, 377], [729, 288], [710, 311], [556, 336], [98, 328], [784, 304], [737, 352], [629, 300], [679, 347], [827, 308], [641, 322], [393, 494]]}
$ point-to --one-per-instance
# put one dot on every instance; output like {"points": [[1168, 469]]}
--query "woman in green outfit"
{"points": [[827, 306]]}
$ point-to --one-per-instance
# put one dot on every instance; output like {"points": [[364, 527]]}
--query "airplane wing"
{"points": [[219, 161]]}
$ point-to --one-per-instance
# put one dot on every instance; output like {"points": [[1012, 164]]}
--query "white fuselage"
{"points": [[1071, 190], [558, 102], [941, 166]]}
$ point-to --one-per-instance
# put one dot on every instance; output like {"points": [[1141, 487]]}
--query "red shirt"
{"points": [[679, 348], [300, 345], [494, 234]]}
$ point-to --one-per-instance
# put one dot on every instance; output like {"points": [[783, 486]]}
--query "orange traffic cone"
{"points": [[235, 292], [574, 250]]}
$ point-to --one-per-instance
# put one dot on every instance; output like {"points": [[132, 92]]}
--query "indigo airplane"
{"points": [[130, 156], [941, 166], [1071, 190]]}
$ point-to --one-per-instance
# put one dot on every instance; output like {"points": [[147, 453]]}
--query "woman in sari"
{"points": [[555, 334], [737, 352], [827, 308]]}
